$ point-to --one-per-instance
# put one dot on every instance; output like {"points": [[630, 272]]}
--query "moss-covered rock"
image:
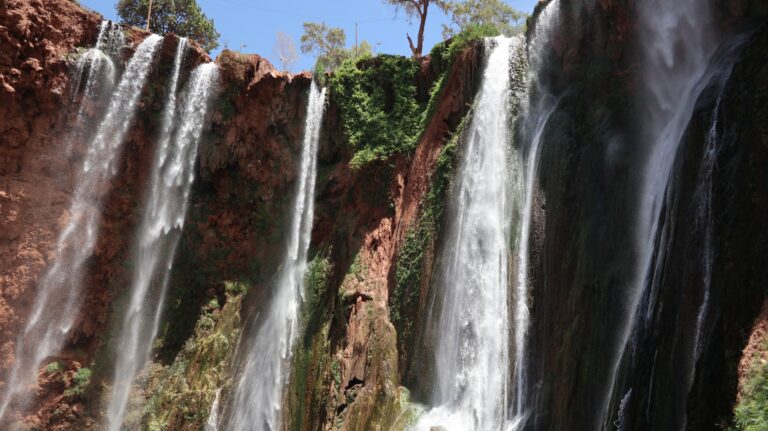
{"points": [[181, 394]]}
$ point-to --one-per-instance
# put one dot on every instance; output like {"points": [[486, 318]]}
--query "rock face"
{"points": [[591, 149], [362, 353], [34, 187]]}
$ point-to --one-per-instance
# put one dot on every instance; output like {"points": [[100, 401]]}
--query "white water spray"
{"points": [[57, 301], [256, 397], [160, 229]]}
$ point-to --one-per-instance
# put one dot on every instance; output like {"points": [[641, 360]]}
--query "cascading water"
{"points": [[472, 358], [256, 398], [160, 229], [705, 223], [538, 108], [57, 301], [98, 69], [677, 45]]}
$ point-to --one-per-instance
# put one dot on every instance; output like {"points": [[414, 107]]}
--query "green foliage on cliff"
{"points": [[80, 382], [380, 113], [444, 53], [181, 394], [315, 373], [751, 413]]}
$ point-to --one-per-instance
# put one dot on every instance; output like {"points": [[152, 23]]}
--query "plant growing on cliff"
{"points": [[79, 383], [379, 110], [180, 17], [751, 412]]}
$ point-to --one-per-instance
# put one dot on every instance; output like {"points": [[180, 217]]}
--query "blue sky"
{"points": [[254, 23]]}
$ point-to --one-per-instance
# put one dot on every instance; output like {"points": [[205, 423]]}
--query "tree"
{"points": [[327, 43], [488, 13], [181, 17], [285, 51], [416, 9]]}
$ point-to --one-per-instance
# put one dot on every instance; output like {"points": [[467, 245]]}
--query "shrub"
{"points": [[380, 113]]}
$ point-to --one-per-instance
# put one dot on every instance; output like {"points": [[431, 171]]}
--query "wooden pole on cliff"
{"points": [[149, 13]]}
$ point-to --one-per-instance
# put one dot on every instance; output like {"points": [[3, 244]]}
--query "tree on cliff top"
{"points": [[494, 14], [329, 44], [181, 17], [416, 9]]}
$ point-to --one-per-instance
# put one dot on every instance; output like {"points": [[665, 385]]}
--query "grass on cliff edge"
{"points": [[751, 413]]}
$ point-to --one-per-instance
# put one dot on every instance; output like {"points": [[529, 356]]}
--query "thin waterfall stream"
{"points": [[256, 396], [161, 226], [56, 306]]}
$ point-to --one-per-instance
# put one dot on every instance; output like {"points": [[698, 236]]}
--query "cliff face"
{"points": [[34, 71], [365, 350], [592, 155]]}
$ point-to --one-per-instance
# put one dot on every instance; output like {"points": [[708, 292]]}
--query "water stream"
{"points": [[161, 225]]}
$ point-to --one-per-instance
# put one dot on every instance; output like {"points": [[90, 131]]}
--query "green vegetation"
{"points": [[315, 373], [445, 53], [53, 367], [751, 413], [182, 393], [491, 14], [329, 45], [379, 111], [79, 383], [181, 17]]}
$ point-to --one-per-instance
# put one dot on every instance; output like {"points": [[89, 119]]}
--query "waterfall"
{"points": [[56, 305], [705, 224], [256, 398], [95, 72], [160, 228], [540, 105], [472, 359], [678, 42]]}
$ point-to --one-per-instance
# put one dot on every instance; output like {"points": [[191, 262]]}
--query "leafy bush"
{"points": [[80, 382], [53, 367], [380, 113], [444, 53]]}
